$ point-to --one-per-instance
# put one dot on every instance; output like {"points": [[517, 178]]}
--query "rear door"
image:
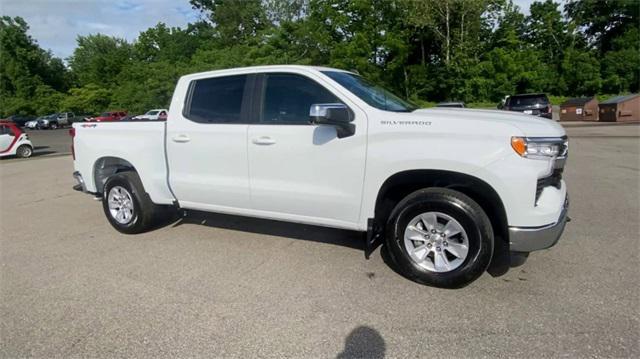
{"points": [[299, 171], [207, 145]]}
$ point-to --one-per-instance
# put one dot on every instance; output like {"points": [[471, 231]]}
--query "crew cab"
{"points": [[446, 189]]}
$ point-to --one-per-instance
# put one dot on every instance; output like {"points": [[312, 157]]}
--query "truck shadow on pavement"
{"points": [[340, 237], [363, 342]]}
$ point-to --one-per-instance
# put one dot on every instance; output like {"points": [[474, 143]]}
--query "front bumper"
{"points": [[529, 239]]}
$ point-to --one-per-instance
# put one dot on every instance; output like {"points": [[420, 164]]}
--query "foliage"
{"points": [[475, 51], [27, 73], [89, 99]]}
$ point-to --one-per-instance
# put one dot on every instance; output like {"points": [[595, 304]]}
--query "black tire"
{"points": [[143, 209], [53, 126], [458, 206], [24, 151]]}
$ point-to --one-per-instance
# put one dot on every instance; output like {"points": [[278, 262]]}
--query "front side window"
{"points": [[288, 98], [370, 93], [216, 100]]}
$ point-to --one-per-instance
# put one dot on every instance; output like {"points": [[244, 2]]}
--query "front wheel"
{"points": [[440, 237]]}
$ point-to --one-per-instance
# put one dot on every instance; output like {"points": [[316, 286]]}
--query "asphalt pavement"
{"points": [[225, 286]]}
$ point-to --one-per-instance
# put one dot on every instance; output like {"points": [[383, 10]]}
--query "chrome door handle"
{"points": [[181, 138], [264, 140]]}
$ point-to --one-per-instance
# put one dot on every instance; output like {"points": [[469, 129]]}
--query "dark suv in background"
{"points": [[20, 120], [536, 104]]}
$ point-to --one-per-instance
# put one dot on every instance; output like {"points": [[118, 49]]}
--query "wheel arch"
{"points": [[107, 166], [401, 184]]}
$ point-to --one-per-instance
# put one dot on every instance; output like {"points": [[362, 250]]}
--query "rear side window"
{"points": [[216, 100], [288, 98]]}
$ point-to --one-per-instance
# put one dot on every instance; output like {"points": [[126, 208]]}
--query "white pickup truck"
{"points": [[447, 189]]}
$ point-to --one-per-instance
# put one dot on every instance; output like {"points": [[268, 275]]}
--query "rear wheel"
{"points": [[440, 237], [126, 205], [24, 151]]}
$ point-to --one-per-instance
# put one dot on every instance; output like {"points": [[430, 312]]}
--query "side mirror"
{"points": [[333, 114]]}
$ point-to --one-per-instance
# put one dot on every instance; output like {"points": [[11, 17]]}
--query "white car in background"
{"points": [[34, 124], [156, 114]]}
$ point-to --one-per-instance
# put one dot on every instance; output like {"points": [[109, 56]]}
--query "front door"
{"points": [[300, 171], [207, 146]]}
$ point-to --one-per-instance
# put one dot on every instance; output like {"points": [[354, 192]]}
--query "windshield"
{"points": [[105, 114], [370, 93], [152, 113]]}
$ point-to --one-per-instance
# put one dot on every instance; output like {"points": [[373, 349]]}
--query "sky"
{"points": [[55, 24]]}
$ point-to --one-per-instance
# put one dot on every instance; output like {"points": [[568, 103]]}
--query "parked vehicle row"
{"points": [[52, 121], [64, 119]]}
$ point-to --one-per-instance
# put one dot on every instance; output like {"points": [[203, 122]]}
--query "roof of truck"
{"points": [[251, 69]]}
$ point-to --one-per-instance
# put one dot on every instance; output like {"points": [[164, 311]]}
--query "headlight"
{"points": [[540, 147]]}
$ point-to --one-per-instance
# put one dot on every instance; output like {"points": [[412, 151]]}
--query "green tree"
{"points": [[25, 68], [142, 86], [546, 30], [235, 21], [603, 21], [581, 73], [90, 99], [161, 43], [98, 59]]}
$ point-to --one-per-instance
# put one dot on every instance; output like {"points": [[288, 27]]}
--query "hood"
{"points": [[530, 126]]}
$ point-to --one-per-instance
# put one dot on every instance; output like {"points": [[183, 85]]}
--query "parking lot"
{"points": [[221, 286]]}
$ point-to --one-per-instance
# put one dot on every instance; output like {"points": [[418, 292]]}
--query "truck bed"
{"points": [[141, 143]]}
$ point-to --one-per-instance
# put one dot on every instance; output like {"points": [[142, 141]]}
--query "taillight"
{"points": [[72, 133]]}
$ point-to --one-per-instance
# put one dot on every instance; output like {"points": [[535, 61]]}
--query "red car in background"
{"points": [[110, 116]]}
